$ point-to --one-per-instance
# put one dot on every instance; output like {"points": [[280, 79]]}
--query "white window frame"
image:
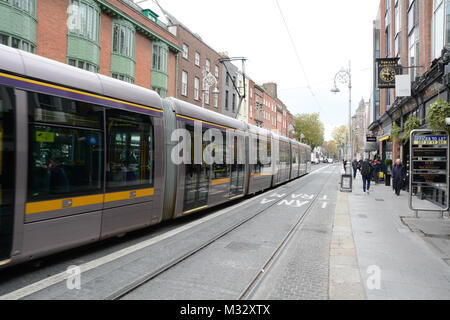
{"points": [[184, 83], [197, 59], [196, 88], [185, 51]]}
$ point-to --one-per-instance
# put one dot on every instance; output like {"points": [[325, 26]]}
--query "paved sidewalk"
{"points": [[409, 255]]}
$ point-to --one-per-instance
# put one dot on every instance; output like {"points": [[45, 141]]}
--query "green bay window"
{"points": [[160, 73], [123, 50], [18, 24], [83, 45]]}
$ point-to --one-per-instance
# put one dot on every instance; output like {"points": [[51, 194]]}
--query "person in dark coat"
{"points": [[399, 176], [376, 170], [355, 168], [366, 172]]}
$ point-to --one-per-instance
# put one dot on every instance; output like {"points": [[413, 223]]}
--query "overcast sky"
{"points": [[327, 35]]}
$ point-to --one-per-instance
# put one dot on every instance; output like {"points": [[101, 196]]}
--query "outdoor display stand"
{"points": [[346, 183], [429, 156]]}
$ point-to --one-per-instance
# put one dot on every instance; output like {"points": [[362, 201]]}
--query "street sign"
{"points": [[371, 139], [429, 164]]}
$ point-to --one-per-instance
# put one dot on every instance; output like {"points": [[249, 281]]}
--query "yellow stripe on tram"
{"points": [[52, 205], [220, 181]]}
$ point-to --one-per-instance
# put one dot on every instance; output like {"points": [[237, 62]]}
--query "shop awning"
{"points": [[384, 138]]}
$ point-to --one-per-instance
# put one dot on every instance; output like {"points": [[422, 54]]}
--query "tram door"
{"points": [[238, 168], [7, 150], [196, 179]]}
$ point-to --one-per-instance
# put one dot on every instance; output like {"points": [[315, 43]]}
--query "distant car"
{"points": [[330, 161]]}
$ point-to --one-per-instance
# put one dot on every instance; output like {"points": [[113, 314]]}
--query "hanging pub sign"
{"points": [[388, 68]]}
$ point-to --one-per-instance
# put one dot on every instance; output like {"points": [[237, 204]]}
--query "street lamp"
{"points": [[208, 81], [345, 77]]}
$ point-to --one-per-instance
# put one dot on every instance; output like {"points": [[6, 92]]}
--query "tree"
{"points": [[332, 149], [340, 135], [312, 129]]}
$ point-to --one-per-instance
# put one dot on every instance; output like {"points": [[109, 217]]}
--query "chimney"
{"points": [[271, 89]]}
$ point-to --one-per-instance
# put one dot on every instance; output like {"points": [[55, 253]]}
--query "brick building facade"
{"points": [[115, 38], [418, 33]]}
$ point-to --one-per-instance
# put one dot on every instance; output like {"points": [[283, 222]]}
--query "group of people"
{"points": [[370, 170]]}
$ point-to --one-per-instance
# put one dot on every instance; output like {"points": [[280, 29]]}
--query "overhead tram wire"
{"points": [[298, 57]]}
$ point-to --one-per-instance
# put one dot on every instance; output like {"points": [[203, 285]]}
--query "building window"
{"points": [[122, 77], [413, 38], [438, 28], [251, 112], [28, 6], [196, 88], [123, 40], [207, 65], [184, 83], [216, 100], [84, 20], [82, 64], [206, 95], [226, 99], [161, 91], [197, 59], [234, 102], [185, 51], [216, 71], [160, 58], [16, 43], [398, 27]]}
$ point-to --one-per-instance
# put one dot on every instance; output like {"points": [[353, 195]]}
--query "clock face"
{"points": [[387, 74]]}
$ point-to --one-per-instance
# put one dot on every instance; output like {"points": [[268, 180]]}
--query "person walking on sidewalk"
{"points": [[355, 168], [366, 172], [376, 171], [399, 176]]}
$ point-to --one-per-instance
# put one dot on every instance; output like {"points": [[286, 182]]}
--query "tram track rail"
{"points": [[126, 290], [249, 291]]}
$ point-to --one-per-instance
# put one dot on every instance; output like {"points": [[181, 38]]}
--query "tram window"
{"points": [[54, 110], [221, 170], [130, 150], [64, 160]]}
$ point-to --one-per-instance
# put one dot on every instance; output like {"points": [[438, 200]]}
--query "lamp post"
{"points": [[208, 81], [345, 78]]}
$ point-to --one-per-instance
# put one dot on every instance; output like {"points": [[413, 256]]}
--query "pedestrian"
{"points": [[398, 175], [366, 173], [376, 170], [355, 168]]}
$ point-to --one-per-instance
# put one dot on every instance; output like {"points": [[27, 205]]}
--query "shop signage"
{"points": [[388, 69], [371, 139]]}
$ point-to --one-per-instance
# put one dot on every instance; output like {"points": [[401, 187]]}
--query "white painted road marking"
{"points": [[264, 201]]}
